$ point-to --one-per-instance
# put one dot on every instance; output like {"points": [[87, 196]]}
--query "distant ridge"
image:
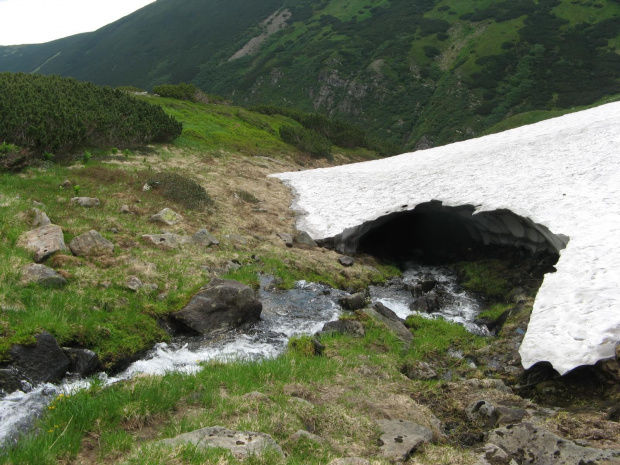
{"points": [[421, 73]]}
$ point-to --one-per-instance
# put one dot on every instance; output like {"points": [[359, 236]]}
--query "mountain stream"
{"points": [[299, 311]]}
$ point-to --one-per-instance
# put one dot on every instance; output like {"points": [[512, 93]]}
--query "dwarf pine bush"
{"points": [[52, 114]]}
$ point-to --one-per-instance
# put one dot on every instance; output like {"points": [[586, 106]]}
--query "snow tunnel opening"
{"points": [[435, 232]]}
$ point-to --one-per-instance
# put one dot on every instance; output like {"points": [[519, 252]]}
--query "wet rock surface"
{"points": [[42, 362], [220, 306]]}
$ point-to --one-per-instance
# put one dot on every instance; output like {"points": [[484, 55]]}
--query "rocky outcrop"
{"points": [[43, 242], [528, 443], [240, 443], [221, 305], [91, 244]]}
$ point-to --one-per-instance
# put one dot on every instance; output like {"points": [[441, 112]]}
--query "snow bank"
{"points": [[561, 175]]}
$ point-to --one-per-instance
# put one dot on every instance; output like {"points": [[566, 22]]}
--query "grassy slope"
{"points": [[230, 151]]}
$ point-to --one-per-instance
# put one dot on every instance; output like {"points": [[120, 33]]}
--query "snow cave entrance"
{"points": [[435, 231]]}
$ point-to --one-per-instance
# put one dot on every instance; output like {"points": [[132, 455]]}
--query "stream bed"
{"points": [[286, 313]]}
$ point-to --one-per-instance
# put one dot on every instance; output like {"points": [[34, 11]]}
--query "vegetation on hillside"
{"points": [[49, 115], [419, 73]]}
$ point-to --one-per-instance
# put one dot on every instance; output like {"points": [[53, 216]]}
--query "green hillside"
{"points": [[420, 73]]}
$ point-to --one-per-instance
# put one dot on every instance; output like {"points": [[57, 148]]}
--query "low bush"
{"points": [[52, 114], [306, 140], [182, 190]]}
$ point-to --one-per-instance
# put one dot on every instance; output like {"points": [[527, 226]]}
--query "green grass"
{"points": [[225, 128], [488, 277], [495, 311]]}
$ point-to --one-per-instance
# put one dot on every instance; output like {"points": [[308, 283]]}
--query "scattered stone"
{"points": [[419, 370], [386, 312], [67, 184], [508, 415], [541, 446], [233, 265], [167, 216], [38, 204], [162, 296], [204, 238], [423, 287], [124, 209], [236, 238], [489, 383], [350, 461], [40, 219], [307, 436], [149, 287], [400, 438], [91, 244], [353, 302], [303, 239], [165, 241], [43, 362], [221, 305], [287, 238], [240, 443], [355, 328], [517, 295], [482, 412], [43, 241], [82, 361], [87, 202], [345, 260], [428, 303], [255, 395], [42, 275], [133, 283], [301, 401]]}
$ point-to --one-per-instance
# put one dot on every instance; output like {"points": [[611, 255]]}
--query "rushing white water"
{"points": [[456, 305], [302, 310]]}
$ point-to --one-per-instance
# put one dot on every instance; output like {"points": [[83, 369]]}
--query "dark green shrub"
{"points": [[14, 158], [130, 89], [306, 140], [431, 51], [52, 114], [182, 190], [180, 91]]}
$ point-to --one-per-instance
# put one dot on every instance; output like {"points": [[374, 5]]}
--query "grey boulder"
{"points": [[43, 241], [43, 275], [167, 216], [91, 244], [221, 305], [353, 302]]}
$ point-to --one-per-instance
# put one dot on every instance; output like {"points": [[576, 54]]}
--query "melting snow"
{"points": [[562, 173]]}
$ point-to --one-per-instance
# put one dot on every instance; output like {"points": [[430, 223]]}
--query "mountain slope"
{"points": [[420, 73]]}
